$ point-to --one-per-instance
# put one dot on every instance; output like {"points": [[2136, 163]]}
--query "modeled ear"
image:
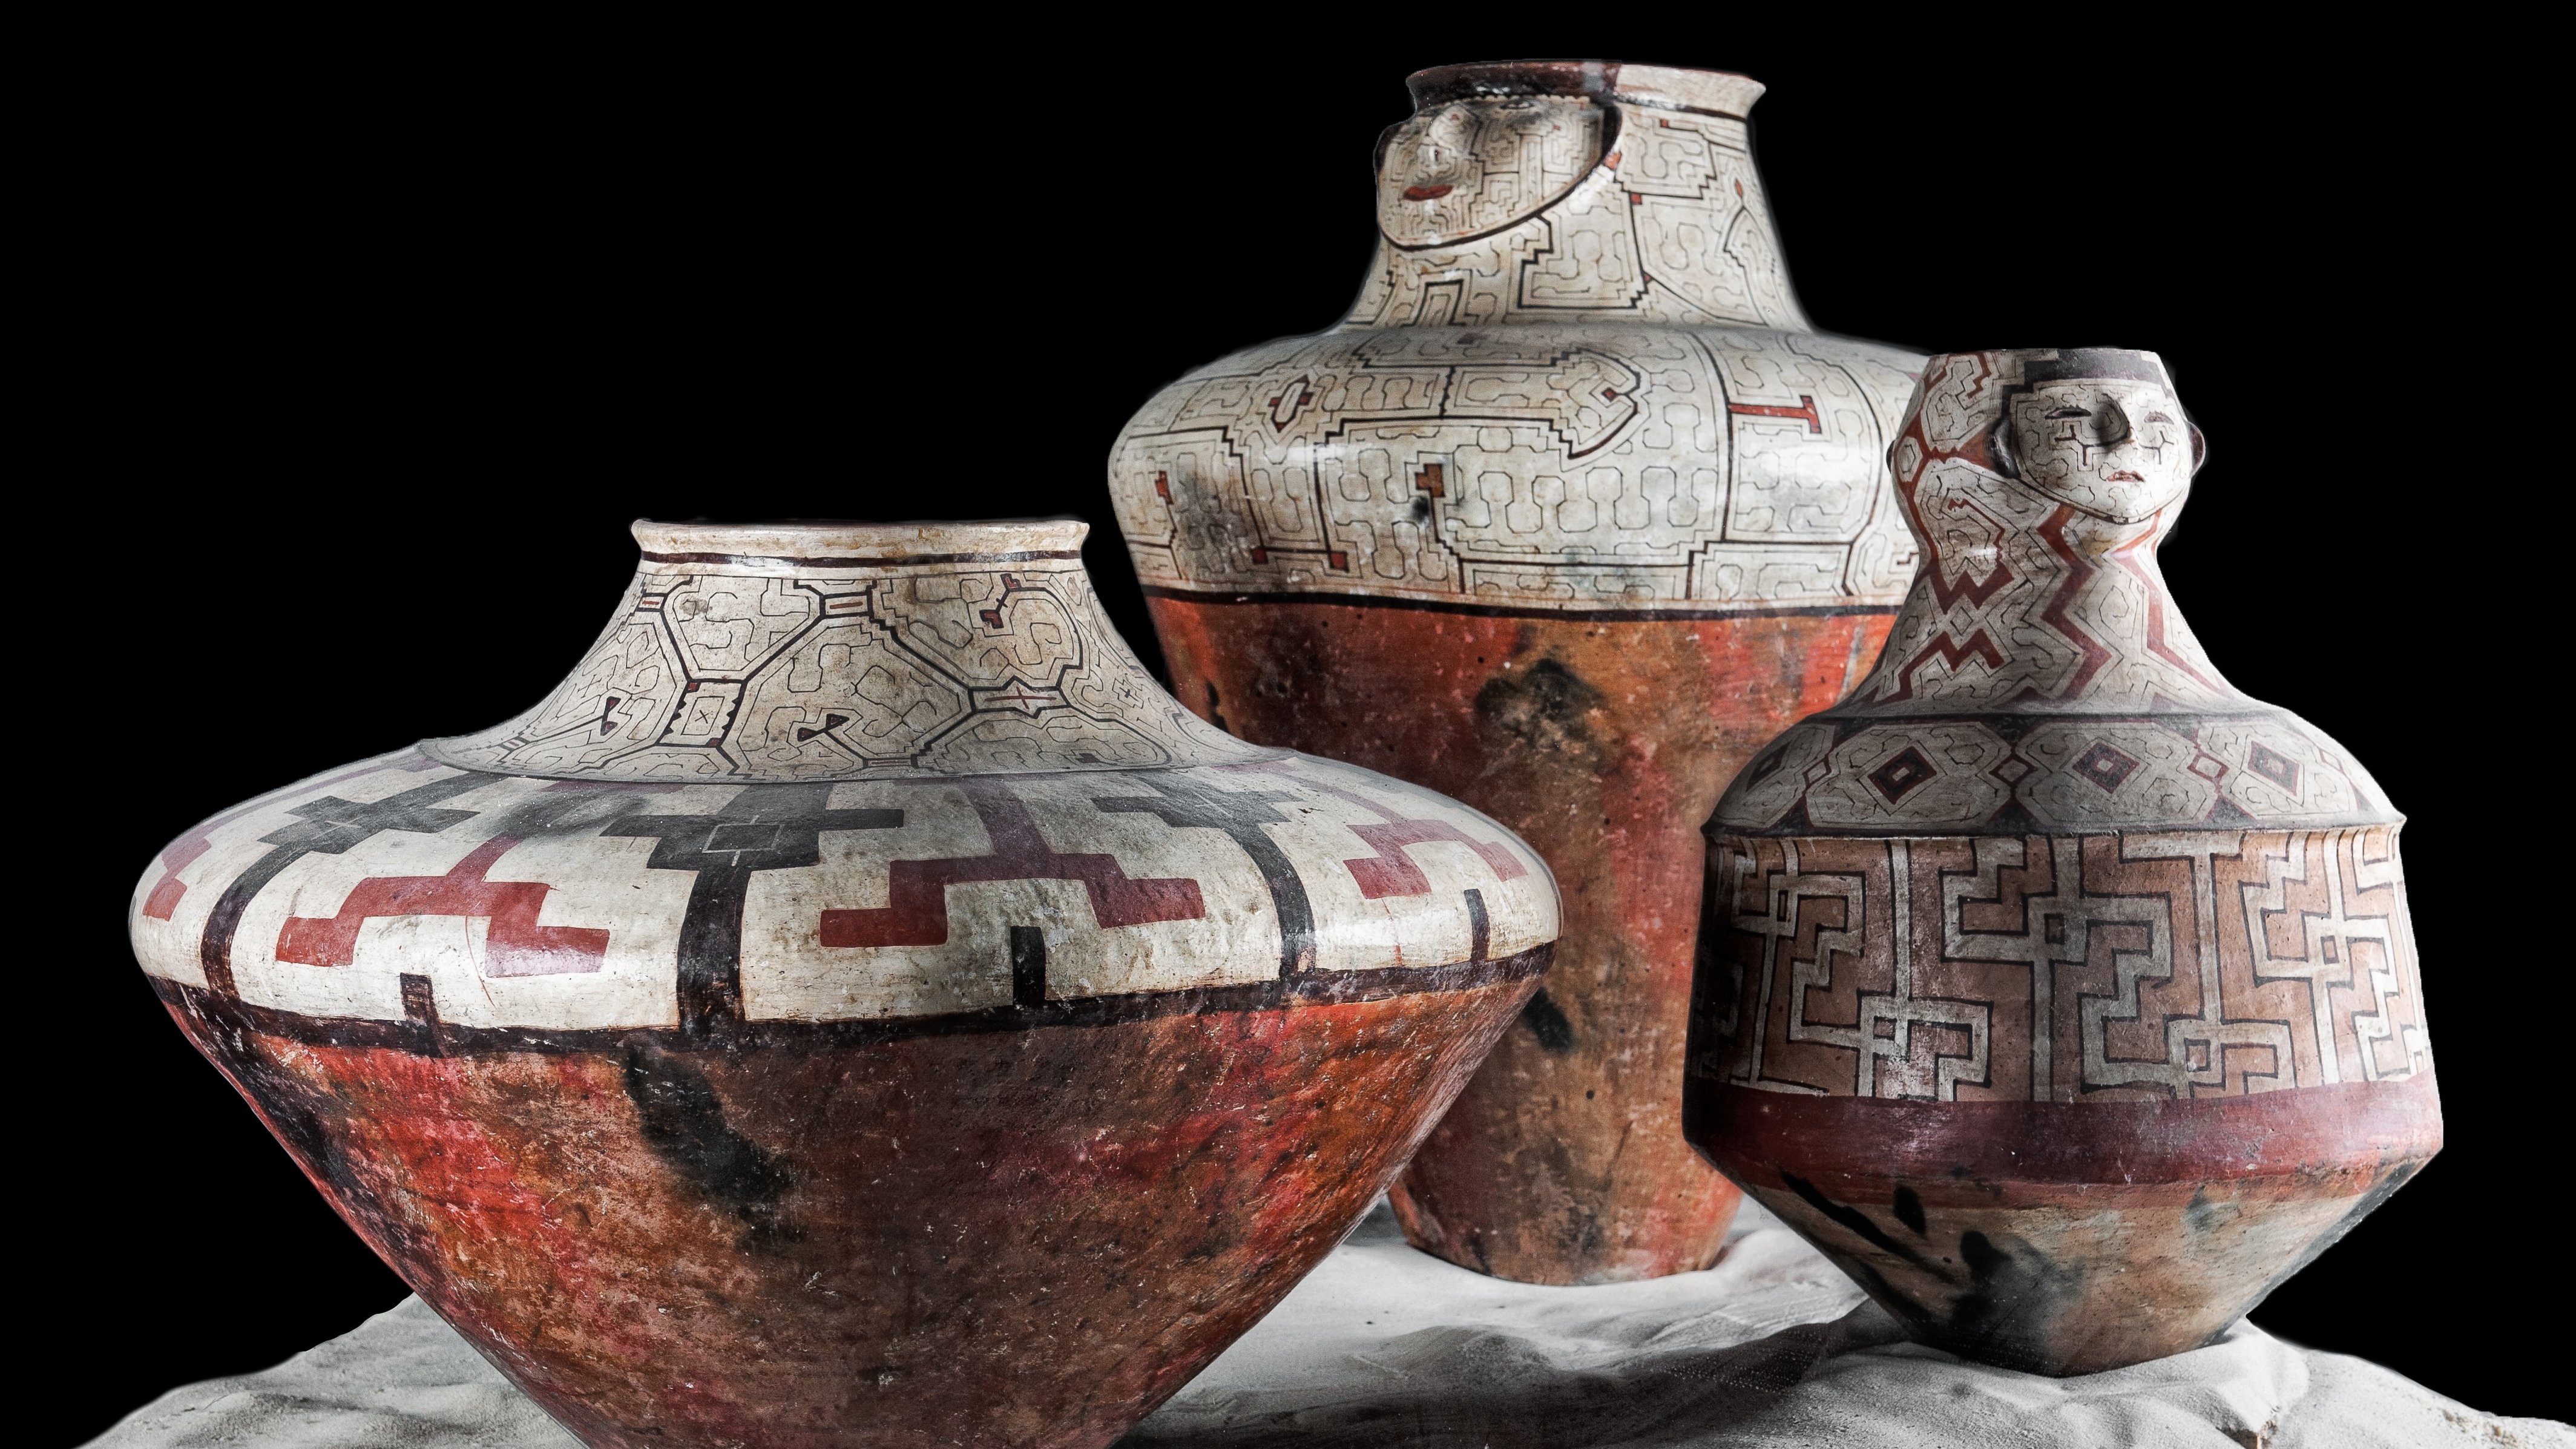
{"points": [[2199, 448], [1999, 448], [1377, 155]]}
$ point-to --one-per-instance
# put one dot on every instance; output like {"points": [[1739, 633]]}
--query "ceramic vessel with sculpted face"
{"points": [[1566, 518], [858, 1007], [2063, 994]]}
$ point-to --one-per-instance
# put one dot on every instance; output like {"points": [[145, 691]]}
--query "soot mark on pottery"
{"points": [[1215, 713], [1546, 1021], [2204, 1216], [683, 1121], [2013, 1296], [298, 1115], [2003, 1297], [1857, 1222], [1542, 707], [1586, 1235]]}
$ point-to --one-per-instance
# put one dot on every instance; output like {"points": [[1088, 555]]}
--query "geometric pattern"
{"points": [[404, 890], [515, 944], [2061, 968], [2039, 678], [167, 889], [1901, 773], [916, 913], [1490, 428], [747, 667], [2010, 773]]}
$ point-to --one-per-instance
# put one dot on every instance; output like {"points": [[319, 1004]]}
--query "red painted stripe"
{"points": [[1858, 1148], [916, 909]]}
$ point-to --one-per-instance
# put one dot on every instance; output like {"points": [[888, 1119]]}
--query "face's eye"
{"points": [[2112, 422], [2068, 413]]}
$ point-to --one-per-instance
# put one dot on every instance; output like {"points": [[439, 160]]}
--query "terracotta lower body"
{"points": [[2071, 1237], [1604, 743], [1025, 1228]]}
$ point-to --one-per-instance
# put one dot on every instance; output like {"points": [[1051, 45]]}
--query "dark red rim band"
{"points": [[1757, 1137]]}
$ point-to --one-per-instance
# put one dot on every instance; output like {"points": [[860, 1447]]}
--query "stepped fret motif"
{"points": [[710, 907], [2062, 968]]}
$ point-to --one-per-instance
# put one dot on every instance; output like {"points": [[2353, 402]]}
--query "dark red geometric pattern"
{"points": [[515, 946], [765, 827], [1238, 815], [2106, 765], [169, 890], [1391, 872], [2273, 766], [916, 909], [1948, 652], [327, 826], [1903, 771], [1805, 412]]}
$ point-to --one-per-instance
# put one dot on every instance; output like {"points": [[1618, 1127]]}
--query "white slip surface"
{"points": [[1388, 1348]]}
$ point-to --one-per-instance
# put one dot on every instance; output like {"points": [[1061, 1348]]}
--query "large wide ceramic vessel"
{"points": [[858, 1007], [2061, 993], [1566, 518]]}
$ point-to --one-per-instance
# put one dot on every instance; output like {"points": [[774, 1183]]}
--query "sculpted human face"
{"points": [[2110, 446], [1472, 166]]}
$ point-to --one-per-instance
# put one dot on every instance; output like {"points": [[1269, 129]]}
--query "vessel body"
{"points": [[1567, 517], [858, 1007], [2064, 995]]}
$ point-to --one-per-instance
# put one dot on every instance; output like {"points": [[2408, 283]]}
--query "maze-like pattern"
{"points": [[788, 670], [1623, 207], [2074, 771], [2039, 578], [2039, 677], [2059, 967], [410, 890], [1491, 427]]}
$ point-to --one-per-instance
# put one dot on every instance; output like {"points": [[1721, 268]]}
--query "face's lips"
{"points": [[1427, 193], [2123, 475]]}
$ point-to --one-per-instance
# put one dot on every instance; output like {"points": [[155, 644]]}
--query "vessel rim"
{"points": [[1681, 88], [838, 543]]}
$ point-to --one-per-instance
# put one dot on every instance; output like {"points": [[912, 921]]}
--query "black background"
{"points": [[376, 348]]}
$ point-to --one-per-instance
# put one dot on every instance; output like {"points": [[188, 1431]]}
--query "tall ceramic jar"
{"points": [[1568, 516], [2061, 993], [858, 1007]]}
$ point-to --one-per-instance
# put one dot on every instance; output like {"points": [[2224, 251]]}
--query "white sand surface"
{"points": [[1387, 1348]]}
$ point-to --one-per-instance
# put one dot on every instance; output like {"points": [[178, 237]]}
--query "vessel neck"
{"points": [[1574, 191], [2040, 485], [819, 652]]}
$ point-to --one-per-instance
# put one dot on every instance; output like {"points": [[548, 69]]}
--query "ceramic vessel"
{"points": [[2061, 993], [858, 1007], [1565, 519]]}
